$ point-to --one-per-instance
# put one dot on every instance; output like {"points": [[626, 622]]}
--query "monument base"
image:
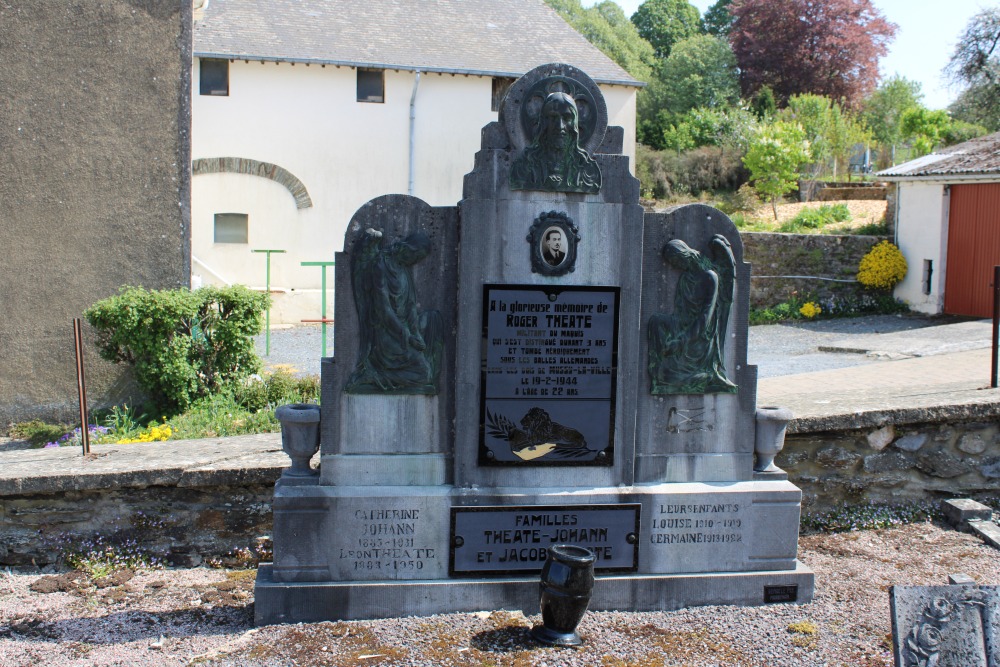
{"points": [[312, 602]]}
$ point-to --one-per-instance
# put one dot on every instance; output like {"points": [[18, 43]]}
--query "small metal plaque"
{"points": [[549, 372], [514, 540], [781, 593]]}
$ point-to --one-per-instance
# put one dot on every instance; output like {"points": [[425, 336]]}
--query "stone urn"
{"points": [[299, 436], [769, 436], [566, 586]]}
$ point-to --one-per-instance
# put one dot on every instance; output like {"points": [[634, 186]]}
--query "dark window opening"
{"points": [[214, 77], [231, 228], [371, 85], [500, 87], [928, 272]]}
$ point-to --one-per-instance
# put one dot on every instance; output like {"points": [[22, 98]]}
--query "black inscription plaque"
{"points": [[549, 370], [510, 540], [781, 593]]}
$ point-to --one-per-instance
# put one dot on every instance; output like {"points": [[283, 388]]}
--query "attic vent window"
{"points": [[371, 85], [214, 76], [501, 85]]}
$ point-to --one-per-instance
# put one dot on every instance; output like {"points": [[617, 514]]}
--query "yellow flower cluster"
{"points": [[152, 434], [810, 309], [882, 267]]}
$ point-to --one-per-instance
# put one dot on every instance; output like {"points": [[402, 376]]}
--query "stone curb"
{"points": [[211, 462]]}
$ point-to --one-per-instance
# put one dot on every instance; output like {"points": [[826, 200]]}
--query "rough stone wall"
{"points": [[840, 193], [895, 464], [814, 255], [184, 525], [95, 111], [829, 191]]}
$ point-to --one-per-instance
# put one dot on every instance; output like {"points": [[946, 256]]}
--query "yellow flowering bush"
{"points": [[810, 309], [152, 434], [882, 267]]}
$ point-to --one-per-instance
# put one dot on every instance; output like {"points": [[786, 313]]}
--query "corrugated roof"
{"points": [[487, 37], [978, 157]]}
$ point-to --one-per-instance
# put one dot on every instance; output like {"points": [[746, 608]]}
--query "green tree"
{"points": [[764, 106], [730, 127], [717, 19], [831, 131], [700, 72], [924, 128], [606, 27], [883, 113], [663, 23], [773, 158], [975, 65]]}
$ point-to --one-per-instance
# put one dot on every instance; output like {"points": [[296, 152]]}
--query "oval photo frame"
{"points": [[553, 240]]}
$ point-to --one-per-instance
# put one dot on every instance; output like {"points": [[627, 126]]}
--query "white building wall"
{"points": [[922, 234], [306, 119]]}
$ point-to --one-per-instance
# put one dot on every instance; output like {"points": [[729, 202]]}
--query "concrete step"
{"points": [[987, 530]]}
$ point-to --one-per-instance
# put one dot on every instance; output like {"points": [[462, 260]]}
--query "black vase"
{"points": [[566, 586]]}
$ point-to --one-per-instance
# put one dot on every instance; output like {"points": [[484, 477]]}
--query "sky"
{"points": [[924, 42]]}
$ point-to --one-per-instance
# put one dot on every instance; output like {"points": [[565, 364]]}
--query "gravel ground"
{"points": [[203, 616], [777, 349]]}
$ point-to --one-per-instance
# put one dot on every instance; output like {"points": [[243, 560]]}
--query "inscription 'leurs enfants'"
{"points": [[704, 523], [387, 542]]}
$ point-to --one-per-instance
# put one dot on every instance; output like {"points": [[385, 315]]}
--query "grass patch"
{"points": [[868, 303], [247, 408], [811, 219]]}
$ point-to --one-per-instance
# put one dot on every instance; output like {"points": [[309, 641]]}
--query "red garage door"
{"points": [[973, 249]]}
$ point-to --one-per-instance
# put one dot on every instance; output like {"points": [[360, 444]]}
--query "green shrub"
{"points": [[182, 344], [280, 387], [665, 174]]}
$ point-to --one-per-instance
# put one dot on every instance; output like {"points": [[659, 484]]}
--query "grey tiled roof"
{"points": [[978, 157], [488, 37]]}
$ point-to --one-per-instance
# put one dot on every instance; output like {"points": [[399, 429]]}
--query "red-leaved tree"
{"points": [[825, 47]]}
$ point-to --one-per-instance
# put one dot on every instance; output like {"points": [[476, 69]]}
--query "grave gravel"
{"points": [[204, 616]]}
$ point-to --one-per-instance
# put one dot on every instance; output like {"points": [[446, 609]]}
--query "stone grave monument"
{"points": [[543, 363]]}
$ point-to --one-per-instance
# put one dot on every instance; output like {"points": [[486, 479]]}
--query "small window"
{"points": [[371, 85], [214, 77], [928, 272], [231, 228], [500, 87]]}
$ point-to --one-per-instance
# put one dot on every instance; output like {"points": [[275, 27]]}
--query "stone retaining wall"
{"points": [[895, 463], [832, 191], [818, 256], [188, 526]]}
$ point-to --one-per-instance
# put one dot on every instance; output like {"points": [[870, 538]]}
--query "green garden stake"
{"points": [[323, 317], [267, 313]]}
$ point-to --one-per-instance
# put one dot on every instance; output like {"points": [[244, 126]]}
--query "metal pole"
{"points": [[324, 319], [81, 385], [996, 326], [267, 313]]}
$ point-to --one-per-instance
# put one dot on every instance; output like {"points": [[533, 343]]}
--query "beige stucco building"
{"points": [[322, 105]]}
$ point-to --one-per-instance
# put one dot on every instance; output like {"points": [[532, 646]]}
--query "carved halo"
{"points": [[523, 103], [545, 224]]}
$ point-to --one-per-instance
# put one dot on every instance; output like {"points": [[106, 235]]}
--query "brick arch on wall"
{"points": [[242, 165]]}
